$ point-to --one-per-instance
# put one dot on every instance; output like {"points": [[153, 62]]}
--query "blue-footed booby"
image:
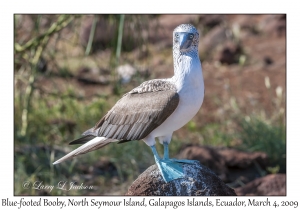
{"points": [[155, 109]]}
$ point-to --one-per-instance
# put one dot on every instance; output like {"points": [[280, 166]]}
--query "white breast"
{"points": [[191, 93]]}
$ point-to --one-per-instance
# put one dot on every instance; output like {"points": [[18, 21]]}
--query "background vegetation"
{"points": [[69, 71]]}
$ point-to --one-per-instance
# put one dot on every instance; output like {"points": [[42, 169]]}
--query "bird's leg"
{"points": [[156, 155], [166, 150], [169, 170]]}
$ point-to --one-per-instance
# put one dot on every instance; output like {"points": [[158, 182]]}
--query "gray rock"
{"points": [[199, 181]]}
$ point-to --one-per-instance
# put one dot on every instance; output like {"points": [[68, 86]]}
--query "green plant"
{"points": [[259, 135]]}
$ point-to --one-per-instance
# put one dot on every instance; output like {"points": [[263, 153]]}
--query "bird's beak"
{"points": [[185, 41]]}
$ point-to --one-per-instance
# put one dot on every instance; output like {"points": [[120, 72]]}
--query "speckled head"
{"points": [[189, 28], [185, 38]]}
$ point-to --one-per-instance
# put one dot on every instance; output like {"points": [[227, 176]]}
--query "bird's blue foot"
{"points": [[170, 168]]}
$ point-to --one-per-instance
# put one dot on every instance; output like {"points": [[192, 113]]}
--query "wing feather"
{"points": [[135, 115]]}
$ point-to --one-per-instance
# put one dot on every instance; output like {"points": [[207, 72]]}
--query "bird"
{"points": [[154, 109]]}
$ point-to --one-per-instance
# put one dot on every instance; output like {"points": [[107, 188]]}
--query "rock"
{"points": [[274, 184], [207, 156], [229, 164], [229, 53], [211, 40], [199, 181], [93, 76]]}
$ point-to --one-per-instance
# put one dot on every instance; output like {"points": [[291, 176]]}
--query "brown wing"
{"points": [[135, 115]]}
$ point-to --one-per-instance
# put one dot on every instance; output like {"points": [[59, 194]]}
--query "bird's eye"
{"points": [[191, 36], [177, 35]]}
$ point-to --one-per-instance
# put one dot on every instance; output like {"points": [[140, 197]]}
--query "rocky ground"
{"points": [[243, 171]]}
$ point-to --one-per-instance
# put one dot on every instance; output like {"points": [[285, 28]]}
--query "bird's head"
{"points": [[185, 38]]}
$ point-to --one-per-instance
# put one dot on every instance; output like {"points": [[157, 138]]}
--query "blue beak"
{"points": [[185, 41]]}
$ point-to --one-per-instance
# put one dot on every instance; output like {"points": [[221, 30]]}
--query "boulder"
{"points": [[273, 184], [198, 181]]}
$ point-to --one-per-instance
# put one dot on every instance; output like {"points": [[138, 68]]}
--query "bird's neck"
{"points": [[187, 70]]}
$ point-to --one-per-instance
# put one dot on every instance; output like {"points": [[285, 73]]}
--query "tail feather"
{"points": [[91, 145], [82, 140]]}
